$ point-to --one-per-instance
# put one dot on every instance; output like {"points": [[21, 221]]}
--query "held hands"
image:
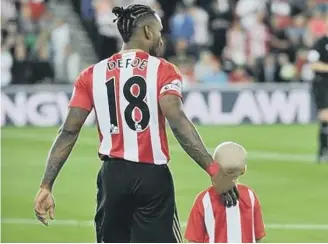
{"points": [[44, 206]]}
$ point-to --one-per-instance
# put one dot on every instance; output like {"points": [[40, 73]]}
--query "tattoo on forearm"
{"points": [[58, 156], [191, 142], [63, 145]]}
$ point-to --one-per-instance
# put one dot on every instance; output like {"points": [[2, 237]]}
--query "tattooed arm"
{"points": [[188, 137], [44, 203], [184, 131], [63, 145]]}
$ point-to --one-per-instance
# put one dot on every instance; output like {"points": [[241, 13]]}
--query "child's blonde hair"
{"points": [[231, 157]]}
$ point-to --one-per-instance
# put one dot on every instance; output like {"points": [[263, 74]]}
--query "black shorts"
{"points": [[320, 92], [136, 203]]}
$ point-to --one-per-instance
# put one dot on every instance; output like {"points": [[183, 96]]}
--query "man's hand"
{"points": [[230, 197], [226, 187], [44, 206]]}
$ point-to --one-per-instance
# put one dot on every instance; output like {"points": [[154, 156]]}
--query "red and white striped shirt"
{"points": [[124, 91], [210, 221]]}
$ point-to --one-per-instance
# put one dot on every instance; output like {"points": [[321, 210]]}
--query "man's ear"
{"points": [[148, 32]]}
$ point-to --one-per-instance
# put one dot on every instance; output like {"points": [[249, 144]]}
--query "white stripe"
{"points": [[252, 197], [130, 136], [152, 101], [100, 98], [89, 223], [209, 217], [233, 224]]}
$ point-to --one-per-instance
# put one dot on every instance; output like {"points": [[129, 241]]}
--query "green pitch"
{"points": [[292, 189]]}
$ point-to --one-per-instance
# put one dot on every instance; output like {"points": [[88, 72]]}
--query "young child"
{"points": [[210, 221]]}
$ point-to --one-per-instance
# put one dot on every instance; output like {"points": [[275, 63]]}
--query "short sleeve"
{"points": [[170, 79], [196, 230], [258, 221], [82, 92]]}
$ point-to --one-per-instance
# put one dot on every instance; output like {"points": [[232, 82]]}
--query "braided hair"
{"points": [[127, 18]]}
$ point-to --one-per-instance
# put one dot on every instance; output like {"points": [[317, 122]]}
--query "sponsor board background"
{"points": [[258, 104]]}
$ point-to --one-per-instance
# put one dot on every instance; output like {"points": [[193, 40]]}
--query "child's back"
{"points": [[210, 221]]}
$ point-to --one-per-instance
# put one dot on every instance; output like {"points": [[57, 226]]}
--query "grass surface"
{"points": [[292, 189]]}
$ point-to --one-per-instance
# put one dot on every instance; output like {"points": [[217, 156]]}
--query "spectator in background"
{"points": [[46, 22], [6, 64], [240, 75], [216, 75], [281, 9], [21, 69], [247, 11], [8, 10], [200, 19], [317, 25], [37, 9], [87, 10], [71, 64], [220, 20], [10, 31], [258, 42], [107, 39], [269, 71], [185, 62], [203, 65], [182, 25], [60, 38], [236, 44], [279, 41], [42, 70], [287, 70], [301, 61], [296, 31], [26, 23], [42, 41]]}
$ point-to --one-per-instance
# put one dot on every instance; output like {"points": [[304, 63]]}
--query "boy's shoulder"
{"points": [[244, 187], [199, 197], [244, 191]]}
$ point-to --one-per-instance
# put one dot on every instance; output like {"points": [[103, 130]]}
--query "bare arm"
{"points": [[184, 131], [63, 145], [319, 66]]}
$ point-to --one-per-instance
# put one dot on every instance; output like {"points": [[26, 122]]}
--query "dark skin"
{"points": [[147, 37]]}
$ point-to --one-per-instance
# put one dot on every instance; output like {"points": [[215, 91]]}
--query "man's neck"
{"points": [[134, 46]]}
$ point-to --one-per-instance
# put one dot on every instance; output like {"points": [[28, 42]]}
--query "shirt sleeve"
{"points": [[170, 80], [82, 92], [195, 230], [258, 221]]}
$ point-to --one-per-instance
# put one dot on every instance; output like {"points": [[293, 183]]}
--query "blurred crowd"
{"points": [[211, 41], [35, 45], [221, 41]]}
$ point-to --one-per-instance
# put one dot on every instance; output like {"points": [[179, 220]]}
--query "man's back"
{"points": [[210, 221], [132, 92], [124, 91]]}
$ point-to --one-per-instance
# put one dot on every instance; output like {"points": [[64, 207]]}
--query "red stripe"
{"points": [[144, 139], [163, 136], [161, 118], [117, 149]]}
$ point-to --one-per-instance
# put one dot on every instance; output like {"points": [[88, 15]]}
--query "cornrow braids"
{"points": [[128, 17]]}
